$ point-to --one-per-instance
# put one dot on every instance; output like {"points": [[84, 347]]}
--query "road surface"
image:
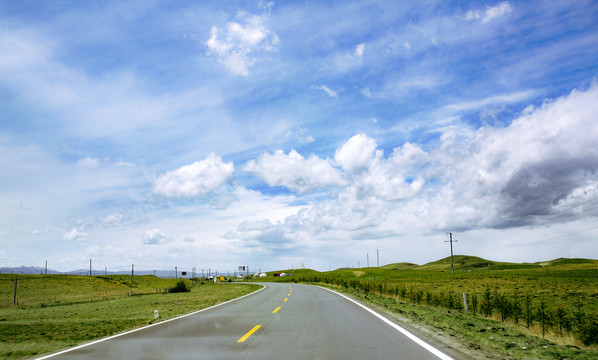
{"points": [[282, 321]]}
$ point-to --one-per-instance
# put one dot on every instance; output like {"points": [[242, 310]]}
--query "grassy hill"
{"points": [[468, 263]]}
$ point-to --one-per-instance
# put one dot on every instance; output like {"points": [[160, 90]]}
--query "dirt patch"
{"points": [[358, 273]]}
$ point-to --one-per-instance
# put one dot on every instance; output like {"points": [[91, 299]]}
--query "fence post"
{"points": [[465, 302]]}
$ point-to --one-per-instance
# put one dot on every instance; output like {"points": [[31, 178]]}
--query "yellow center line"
{"points": [[275, 310], [289, 294], [246, 336], [285, 300]]}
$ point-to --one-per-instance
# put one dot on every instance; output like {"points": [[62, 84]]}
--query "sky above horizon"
{"points": [[216, 134]]}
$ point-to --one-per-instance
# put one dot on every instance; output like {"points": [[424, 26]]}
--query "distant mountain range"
{"points": [[27, 270]]}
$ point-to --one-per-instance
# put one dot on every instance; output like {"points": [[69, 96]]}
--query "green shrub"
{"points": [[181, 286]]}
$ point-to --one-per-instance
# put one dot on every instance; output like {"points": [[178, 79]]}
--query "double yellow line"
{"points": [[255, 328]]}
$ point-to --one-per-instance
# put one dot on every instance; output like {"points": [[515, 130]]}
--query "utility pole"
{"points": [[14, 298], [46, 273], [368, 258], [89, 267], [451, 241], [377, 258], [175, 273], [132, 271]]}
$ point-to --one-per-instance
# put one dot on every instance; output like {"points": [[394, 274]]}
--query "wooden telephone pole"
{"points": [[451, 241]]}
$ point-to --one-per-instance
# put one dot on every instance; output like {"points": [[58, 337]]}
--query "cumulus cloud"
{"points": [[196, 180], [356, 154], [367, 185], [238, 45], [75, 235], [535, 171], [516, 175], [294, 171], [373, 175], [154, 237]]}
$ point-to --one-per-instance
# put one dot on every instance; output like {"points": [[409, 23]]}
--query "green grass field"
{"points": [[56, 312], [550, 306]]}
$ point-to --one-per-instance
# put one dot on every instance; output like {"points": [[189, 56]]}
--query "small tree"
{"points": [[474, 303], [543, 316], [578, 316], [589, 330], [561, 318], [181, 286], [516, 308], [486, 303], [528, 310], [503, 305]]}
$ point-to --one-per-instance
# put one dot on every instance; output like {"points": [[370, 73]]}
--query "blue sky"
{"points": [[275, 134]]}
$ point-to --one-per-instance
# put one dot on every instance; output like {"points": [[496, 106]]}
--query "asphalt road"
{"points": [[282, 321]]}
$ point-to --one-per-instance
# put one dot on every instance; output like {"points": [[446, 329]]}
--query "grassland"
{"points": [[545, 310], [56, 312]]}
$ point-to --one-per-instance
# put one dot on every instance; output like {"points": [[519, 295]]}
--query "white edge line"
{"points": [[414, 338], [147, 326]]}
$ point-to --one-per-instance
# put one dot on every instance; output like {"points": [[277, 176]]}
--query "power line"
{"points": [[573, 233], [558, 212]]}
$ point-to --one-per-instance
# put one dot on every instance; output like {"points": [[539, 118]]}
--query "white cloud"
{"points": [[325, 88], [239, 46], [516, 175], [112, 220], [40, 231], [154, 237], [75, 235], [261, 233], [529, 172], [374, 176], [356, 153], [360, 50], [294, 171], [490, 13], [88, 163], [496, 99], [196, 180], [93, 250]]}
